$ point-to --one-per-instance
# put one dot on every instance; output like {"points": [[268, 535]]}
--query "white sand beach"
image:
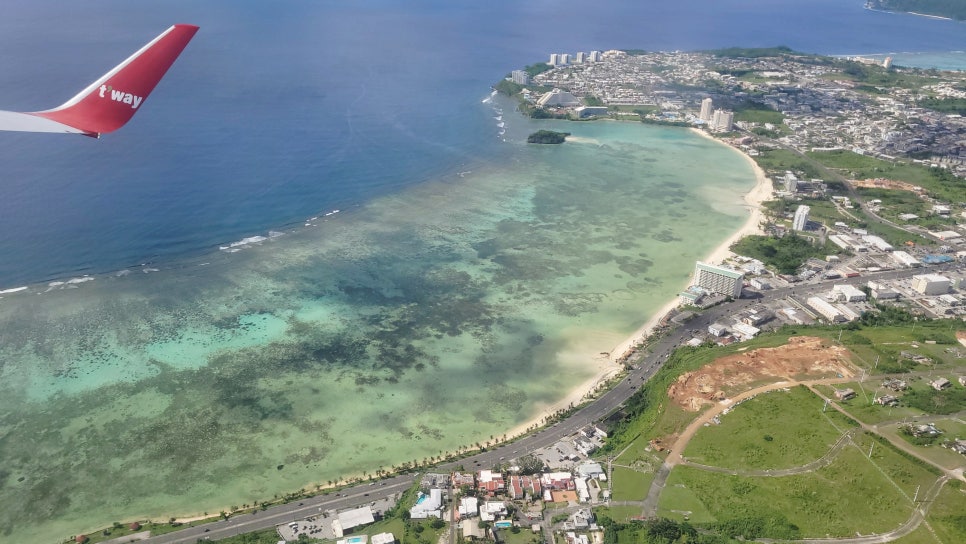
{"points": [[761, 192]]}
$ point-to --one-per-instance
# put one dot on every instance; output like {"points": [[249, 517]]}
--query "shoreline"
{"points": [[759, 193], [608, 363], [753, 199]]}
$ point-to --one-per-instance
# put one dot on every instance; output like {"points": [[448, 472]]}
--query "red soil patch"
{"points": [[801, 357]]}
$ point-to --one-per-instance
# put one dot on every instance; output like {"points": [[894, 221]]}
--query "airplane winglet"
{"points": [[110, 102]]}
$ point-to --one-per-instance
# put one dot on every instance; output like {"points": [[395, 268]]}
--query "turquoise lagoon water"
{"points": [[433, 318]]}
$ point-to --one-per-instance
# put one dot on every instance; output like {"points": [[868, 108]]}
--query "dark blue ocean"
{"points": [[278, 111]]}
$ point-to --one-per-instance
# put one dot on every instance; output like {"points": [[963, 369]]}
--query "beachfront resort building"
{"points": [[559, 98], [718, 279], [706, 110], [801, 218], [722, 121]]}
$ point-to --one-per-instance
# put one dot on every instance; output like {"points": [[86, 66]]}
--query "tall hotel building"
{"points": [[801, 218], [520, 77], [706, 110], [722, 120], [596, 56], [581, 57], [718, 279], [554, 59]]}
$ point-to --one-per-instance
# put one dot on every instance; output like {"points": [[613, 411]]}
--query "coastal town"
{"points": [[858, 104], [527, 492]]}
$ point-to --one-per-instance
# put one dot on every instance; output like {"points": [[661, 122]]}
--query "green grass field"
{"points": [[620, 513], [630, 484], [946, 517], [523, 536], [679, 502], [855, 166], [852, 495], [773, 430]]}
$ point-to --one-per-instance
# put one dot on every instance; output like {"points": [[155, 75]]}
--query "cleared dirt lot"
{"points": [[803, 357]]}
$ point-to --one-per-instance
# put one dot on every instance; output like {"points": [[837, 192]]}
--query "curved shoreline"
{"points": [[761, 192]]}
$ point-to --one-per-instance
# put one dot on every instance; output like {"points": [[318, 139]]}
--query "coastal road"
{"points": [[276, 515], [644, 366]]}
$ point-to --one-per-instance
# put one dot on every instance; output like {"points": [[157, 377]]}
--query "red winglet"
{"points": [[110, 102]]}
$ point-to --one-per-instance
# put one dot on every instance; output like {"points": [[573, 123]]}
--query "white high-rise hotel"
{"points": [[718, 279], [722, 121], [706, 110]]}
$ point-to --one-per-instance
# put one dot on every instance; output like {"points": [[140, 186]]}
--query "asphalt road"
{"points": [[644, 367]]}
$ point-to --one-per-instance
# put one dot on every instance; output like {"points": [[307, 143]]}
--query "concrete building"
{"points": [[351, 518], [745, 330], [877, 243], [905, 259], [825, 309], [584, 112], [554, 59], [559, 98], [428, 506], [520, 77], [581, 57], [801, 218], [596, 56], [706, 110], [718, 279], [383, 538], [722, 121], [931, 284], [848, 293], [469, 506], [881, 291]]}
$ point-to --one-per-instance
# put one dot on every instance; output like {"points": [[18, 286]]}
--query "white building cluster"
{"points": [[564, 59]]}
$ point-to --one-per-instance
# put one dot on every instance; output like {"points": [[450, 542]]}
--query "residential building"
{"points": [[718, 279], [469, 507], [845, 394], [383, 538], [940, 383], [520, 77], [428, 506]]}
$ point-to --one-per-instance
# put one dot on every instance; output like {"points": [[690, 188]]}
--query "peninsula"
{"points": [[947, 9]]}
